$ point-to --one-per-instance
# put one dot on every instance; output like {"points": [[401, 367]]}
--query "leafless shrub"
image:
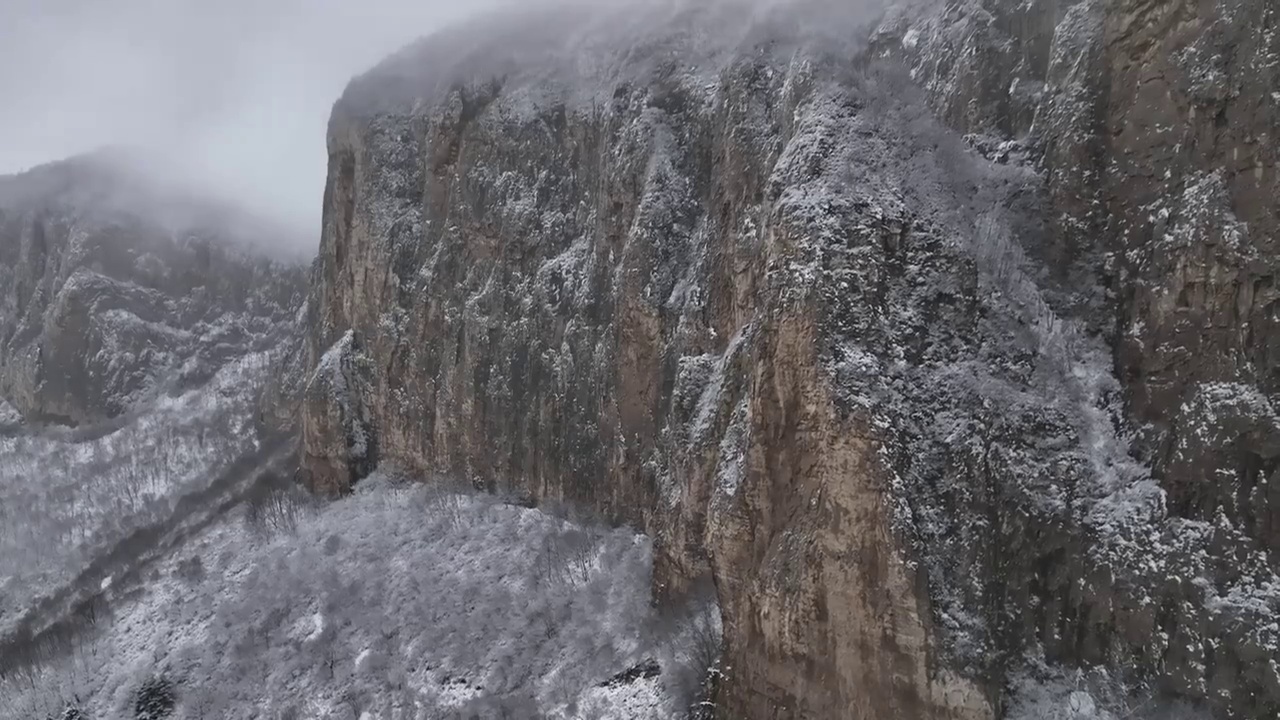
{"points": [[332, 544], [93, 609], [569, 558], [275, 505], [443, 498]]}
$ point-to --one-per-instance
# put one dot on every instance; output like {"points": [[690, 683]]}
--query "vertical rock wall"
{"points": [[745, 295], [595, 301]]}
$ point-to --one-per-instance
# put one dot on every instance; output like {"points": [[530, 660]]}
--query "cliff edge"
{"points": [[718, 273]]}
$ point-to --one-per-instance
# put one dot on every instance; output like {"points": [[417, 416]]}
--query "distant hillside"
{"points": [[113, 288]]}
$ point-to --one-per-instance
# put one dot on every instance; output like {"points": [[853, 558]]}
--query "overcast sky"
{"points": [[235, 92]]}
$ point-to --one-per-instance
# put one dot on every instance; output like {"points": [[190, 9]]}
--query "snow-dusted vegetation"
{"points": [[401, 601], [1053, 694], [909, 345], [69, 498], [165, 565]]}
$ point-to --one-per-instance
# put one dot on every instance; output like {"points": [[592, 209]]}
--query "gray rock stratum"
{"points": [[938, 405], [113, 289]]}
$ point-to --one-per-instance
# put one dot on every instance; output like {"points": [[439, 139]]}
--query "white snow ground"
{"points": [[398, 602]]}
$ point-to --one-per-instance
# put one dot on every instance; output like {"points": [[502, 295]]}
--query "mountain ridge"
{"points": [[935, 343], [115, 286]]}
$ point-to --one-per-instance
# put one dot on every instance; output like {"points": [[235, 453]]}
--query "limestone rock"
{"points": [[1153, 122], [717, 273]]}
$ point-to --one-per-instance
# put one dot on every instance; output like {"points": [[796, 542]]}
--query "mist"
{"points": [[232, 95], [230, 99]]}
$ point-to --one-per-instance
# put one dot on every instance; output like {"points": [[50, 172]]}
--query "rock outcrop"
{"points": [[112, 289], [1156, 122], [721, 277]]}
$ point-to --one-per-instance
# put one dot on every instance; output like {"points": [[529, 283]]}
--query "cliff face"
{"points": [[111, 290], [724, 279], [1154, 123], [1157, 124]]}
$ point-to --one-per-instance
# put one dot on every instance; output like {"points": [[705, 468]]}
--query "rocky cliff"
{"points": [[113, 289], [941, 420], [1153, 123], [1156, 124]]}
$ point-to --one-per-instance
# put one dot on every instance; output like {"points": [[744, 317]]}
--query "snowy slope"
{"points": [[398, 602], [68, 498]]}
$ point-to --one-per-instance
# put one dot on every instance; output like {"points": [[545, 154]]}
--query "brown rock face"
{"points": [[1193, 139], [594, 300], [725, 281], [1154, 121], [110, 291], [1157, 120]]}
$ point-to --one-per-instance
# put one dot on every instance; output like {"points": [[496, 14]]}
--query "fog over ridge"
{"points": [[232, 97], [235, 94]]}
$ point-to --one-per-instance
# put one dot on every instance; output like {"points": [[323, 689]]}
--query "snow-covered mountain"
{"points": [[114, 288], [915, 362], [157, 559], [942, 339]]}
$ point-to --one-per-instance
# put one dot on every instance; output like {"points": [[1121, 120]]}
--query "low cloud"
{"points": [[233, 96], [234, 93]]}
